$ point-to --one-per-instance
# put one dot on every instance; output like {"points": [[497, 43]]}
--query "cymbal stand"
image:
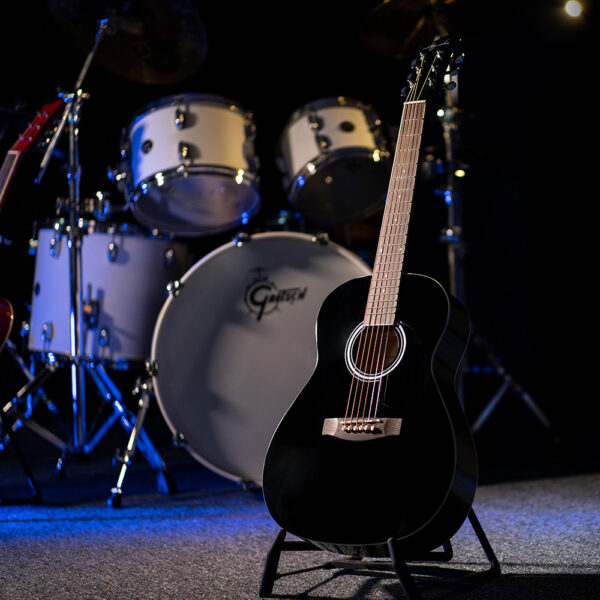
{"points": [[451, 235], [80, 366]]}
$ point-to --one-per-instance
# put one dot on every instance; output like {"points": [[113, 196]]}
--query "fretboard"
{"points": [[387, 269]]}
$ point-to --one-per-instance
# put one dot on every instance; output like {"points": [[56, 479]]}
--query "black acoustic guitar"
{"points": [[376, 446]]}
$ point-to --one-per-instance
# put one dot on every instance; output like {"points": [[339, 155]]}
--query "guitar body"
{"points": [[352, 494], [6, 320]]}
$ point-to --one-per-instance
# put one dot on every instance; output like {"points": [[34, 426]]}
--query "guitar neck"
{"points": [[387, 270], [34, 131], [7, 171]]}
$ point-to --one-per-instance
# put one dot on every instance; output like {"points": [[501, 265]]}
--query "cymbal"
{"points": [[147, 41], [400, 28]]}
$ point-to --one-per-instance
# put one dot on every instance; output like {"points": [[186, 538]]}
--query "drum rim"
{"points": [[204, 98], [330, 102], [315, 239], [249, 182], [92, 226]]}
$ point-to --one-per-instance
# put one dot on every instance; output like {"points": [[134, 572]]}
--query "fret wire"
{"points": [[385, 280]]}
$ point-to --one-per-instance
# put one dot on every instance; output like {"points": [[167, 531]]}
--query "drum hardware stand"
{"points": [[36, 496], [451, 235], [33, 386], [138, 436], [12, 409], [396, 563], [82, 442]]}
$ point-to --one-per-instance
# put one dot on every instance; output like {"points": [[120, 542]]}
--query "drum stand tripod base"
{"points": [[507, 384], [166, 484], [12, 414], [397, 563], [134, 425], [36, 495]]}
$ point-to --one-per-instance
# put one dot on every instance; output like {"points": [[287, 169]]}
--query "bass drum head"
{"points": [[235, 346]]}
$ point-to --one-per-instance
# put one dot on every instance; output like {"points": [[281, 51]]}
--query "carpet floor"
{"points": [[211, 537]]}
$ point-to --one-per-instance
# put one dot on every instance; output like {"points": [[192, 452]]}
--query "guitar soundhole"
{"points": [[372, 352]]}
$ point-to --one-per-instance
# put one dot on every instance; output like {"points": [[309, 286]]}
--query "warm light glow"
{"points": [[573, 8], [239, 178], [459, 173]]}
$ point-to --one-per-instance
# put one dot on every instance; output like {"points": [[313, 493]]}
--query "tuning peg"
{"points": [[458, 60]]}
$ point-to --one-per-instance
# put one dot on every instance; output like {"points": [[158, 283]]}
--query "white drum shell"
{"points": [[335, 162], [215, 131], [192, 165], [226, 372], [129, 292], [300, 146]]}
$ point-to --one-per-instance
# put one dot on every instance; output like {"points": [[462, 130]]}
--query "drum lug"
{"points": [[179, 441], [315, 122], [321, 238], [183, 150], [54, 249], [241, 238], [112, 251], [33, 246], [169, 259], [323, 141], [151, 367], [47, 332], [174, 288], [180, 118], [104, 337]]}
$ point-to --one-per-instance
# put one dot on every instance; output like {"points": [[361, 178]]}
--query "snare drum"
{"points": [[334, 161], [235, 345], [124, 279], [192, 165]]}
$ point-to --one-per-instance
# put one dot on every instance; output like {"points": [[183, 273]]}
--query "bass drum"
{"points": [[235, 345], [192, 166], [334, 161]]}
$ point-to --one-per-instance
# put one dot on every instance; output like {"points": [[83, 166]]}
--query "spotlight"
{"points": [[573, 8]]}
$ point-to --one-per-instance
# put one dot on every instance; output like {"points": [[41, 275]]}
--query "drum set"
{"points": [[223, 343]]}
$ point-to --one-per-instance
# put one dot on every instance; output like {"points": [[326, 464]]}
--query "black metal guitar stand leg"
{"points": [[397, 563]]}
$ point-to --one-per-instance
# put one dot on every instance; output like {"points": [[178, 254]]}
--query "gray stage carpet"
{"points": [[209, 540]]}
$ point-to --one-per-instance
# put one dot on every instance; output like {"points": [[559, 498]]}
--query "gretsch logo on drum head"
{"points": [[262, 297]]}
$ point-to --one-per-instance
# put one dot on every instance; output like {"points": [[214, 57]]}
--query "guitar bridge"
{"points": [[360, 430]]}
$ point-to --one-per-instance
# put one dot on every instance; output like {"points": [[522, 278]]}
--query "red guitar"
{"points": [[14, 155]]}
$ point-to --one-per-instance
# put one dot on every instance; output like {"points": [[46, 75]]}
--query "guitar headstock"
{"points": [[431, 68]]}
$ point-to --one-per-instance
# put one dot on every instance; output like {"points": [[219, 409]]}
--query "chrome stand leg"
{"points": [[138, 437]]}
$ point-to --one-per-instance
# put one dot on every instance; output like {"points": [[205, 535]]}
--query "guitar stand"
{"points": [[397, 562]]}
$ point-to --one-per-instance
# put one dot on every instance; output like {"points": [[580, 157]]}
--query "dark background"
{"points": [[527, 138]]}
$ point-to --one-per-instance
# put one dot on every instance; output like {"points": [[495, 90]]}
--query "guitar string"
{"points": [[405, 196], [372, 335], [378, 306], [370, 331], [399, 232]]}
